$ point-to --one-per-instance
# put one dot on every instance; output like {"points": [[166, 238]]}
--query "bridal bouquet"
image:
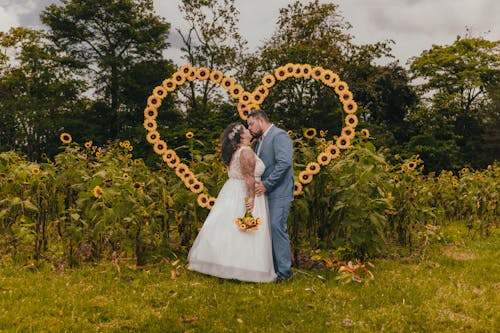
{"points": [[248, 223]]}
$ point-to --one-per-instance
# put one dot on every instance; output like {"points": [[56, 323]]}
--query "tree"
{"points": [[459, 84], [109, 37], [39, 89], [212, 41]]}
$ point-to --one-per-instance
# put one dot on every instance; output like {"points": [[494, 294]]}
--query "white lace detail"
{"points": [[235, 130], [234, 170]]}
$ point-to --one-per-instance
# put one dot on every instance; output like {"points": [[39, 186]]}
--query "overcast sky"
{"points": [[414, 25]]}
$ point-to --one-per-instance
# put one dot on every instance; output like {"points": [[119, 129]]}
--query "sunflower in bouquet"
{"points": [[248, 223]]}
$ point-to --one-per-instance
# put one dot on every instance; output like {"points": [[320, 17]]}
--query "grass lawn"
{"points": [[455, 288]]}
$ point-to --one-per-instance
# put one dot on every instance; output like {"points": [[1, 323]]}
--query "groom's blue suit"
{"points": [[276, 152]]}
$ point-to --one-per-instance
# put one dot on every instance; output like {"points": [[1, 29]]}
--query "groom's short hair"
{"points": [[259, 114]]}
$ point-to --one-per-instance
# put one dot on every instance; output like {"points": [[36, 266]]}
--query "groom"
{"points": [[274, 147]]}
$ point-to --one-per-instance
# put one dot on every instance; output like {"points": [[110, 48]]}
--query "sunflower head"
{"points": [[351, 120], [313, 168], [216, 76], [150, 113], [154, 101], [88, 144], [97, 192], [185, 68], [168, 84], [305, 177], [160, 92], [202, 73], [227, 83], [268, 80], [333, 151], [343, 142], [317, 73], [350, 107], [189, 135], [348, 131], [280, 73], [310, 133], [365, 132], [297, 188], [160, 147], [35, 170], [202, 200], [65, 138], [153, 137], [306, 70], [236, 91], [179, 78], [196, 187], [210, 203], [324, 158], [150, 125]]}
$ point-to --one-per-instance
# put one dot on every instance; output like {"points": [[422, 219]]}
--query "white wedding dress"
{"points": [[221, 249]]}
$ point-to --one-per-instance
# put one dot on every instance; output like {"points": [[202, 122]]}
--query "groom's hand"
{"points": [[259, 188]]}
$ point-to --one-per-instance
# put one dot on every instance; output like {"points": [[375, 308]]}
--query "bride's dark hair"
{"points": [[230, 139]]}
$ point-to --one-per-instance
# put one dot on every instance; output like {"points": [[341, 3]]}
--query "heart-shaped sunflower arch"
{"points": [[248, 101]]}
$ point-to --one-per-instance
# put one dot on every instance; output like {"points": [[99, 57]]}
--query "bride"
{"points": [[221, 249]]}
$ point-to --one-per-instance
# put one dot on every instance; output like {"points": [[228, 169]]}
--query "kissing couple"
{"points": [[261, 182]]}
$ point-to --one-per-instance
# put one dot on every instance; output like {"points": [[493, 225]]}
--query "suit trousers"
{"points": [[278, 216]]}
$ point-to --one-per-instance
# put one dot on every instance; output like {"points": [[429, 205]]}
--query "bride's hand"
{"points": [[249, 204]]}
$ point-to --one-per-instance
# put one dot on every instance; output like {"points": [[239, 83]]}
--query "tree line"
{"points": [[89, 73]]}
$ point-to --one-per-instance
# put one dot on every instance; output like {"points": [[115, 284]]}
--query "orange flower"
{"points": [[297, 188], [154, 101], [341, 87], [153, 137], [236, 91], [333, 151], [160, 147], [216, 76], [343, 142], [160, 92], [348, 132], [351, 120], [150, 113], [202, 200], [310, 133], [65, 138], [257, 97], [280, 73], [150, 125], [202, 73], [305, 177], [179, 78], [227, 83], [196, 187], [324, 158], [169, 155], [346, 97], [289, 69], [313, 168], [169, 85], [268, 80], [317, 73], [246, 97], [350, 107], [186, 68]]}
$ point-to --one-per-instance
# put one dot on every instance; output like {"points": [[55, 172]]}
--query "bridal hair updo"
{"points": [[230, 139]]}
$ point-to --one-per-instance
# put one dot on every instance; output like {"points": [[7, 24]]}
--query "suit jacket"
{"points": [[277, 154]]}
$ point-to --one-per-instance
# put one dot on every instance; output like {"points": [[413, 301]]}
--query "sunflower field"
{"points": [[91, 204]]}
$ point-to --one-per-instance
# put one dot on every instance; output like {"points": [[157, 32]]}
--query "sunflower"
{"points": [[160, 147], [65, 138], [348, 132], [346, 97], [227, 83], [97, 192], [350, 107], [211, 202], [297, 71], [153, 137], [173, 162], [185, 68], [317, 73], [150, 113], [280, 73], [35, 170], [313, 168], [216, 76], [306, 70], [241, 106], [138, 185], [263, 90], [189, 135], [343, 142], [310, 133], [88, 144], [181, 169], [150, 125], [169, 85], [411, 165], [268, 80], [138, 161], [125, 176], [160, 92], [179, 78], [290, 69], [333, 80], [305, 177], [154, 101], [341, 87], [188, 178], [333, 151], [290, 132], [236, 91], [196, 187], [326, 77], [169, 155], [202, 73], [365, 132], [324, 158], [297, 188], [351, 120], [202, 200], [191, 75], [246, 97], [257, 97]]}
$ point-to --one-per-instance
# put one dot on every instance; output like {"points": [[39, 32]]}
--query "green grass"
{"points": [[454, 289]]}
